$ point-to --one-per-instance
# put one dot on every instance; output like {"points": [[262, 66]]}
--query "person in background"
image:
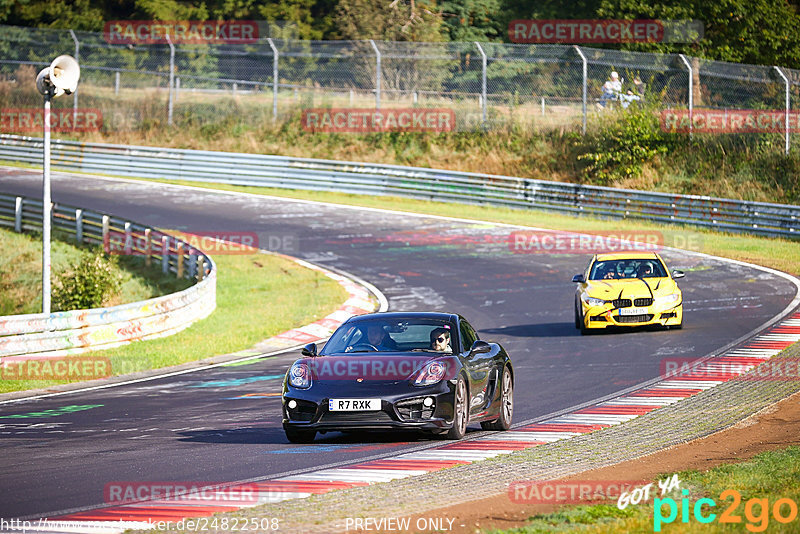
{"points": [[611, 89]]}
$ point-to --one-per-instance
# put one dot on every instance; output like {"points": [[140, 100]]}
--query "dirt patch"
{"points": [[775, 427]]}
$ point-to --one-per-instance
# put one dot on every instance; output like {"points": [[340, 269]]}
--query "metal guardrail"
{"points": [[72, 332], [414, 182]]}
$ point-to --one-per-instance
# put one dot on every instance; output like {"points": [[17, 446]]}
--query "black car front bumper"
{"points": [[402, 408]]}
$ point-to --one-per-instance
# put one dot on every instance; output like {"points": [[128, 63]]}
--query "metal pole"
{"points": [[171, 77], [46, 209], [274, 78], [691, 92], [75, 93], [786, 118], [377, 74], [116, 83], [583, 99], [483, 81]]}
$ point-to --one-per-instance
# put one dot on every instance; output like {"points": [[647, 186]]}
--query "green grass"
{"points": [[21, 273], [771, 475], [258, 296], [780, 254]]}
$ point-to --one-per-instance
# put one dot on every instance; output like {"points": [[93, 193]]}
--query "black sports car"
{"points": [[399, 371]]}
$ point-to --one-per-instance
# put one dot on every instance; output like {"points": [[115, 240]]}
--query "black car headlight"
{"points": [[431, 374], [300, 376]]}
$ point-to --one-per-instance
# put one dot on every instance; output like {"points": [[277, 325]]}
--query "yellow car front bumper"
{"points": [[596, 317]]}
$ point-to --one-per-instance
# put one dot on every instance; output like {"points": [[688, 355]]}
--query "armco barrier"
{"points": [[415, 182], [72, 332]]}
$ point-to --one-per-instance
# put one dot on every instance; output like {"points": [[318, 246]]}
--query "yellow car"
{"points": [[627, 289]]}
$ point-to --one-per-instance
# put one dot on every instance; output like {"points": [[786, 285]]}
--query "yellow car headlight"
{"points": [[591, 301], [667, 299]]}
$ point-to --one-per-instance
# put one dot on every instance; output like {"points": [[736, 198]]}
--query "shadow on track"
{"points": [[564, 329]]}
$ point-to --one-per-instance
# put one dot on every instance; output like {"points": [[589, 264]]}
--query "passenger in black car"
{"points": [[440, 340]]}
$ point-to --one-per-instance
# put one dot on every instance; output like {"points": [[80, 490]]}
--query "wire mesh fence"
{"points": [[485, 85]]}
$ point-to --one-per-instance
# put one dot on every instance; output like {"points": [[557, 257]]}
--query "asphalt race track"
{"points": [[220, 424]]}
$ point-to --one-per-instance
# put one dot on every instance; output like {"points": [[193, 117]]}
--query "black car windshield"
{"points": [[396, 335], [633, 268]]}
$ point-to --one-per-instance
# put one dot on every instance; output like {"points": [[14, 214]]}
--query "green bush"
{"points": [[87, 283], [619, 145]]}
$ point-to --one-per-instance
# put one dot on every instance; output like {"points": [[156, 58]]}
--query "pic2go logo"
{"points": [[756, 511]]}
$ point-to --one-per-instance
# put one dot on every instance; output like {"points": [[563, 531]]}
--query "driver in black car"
{"points": [[378, 338]]}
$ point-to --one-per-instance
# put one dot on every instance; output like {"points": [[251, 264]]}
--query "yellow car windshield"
{"points": [[621, 269]]}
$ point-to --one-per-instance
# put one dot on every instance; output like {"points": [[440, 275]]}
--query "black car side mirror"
{"points": [[310, 350], [480, 347], [578, 278], [678, 274]]}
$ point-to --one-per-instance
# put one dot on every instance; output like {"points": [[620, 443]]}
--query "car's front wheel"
{"points": [[506, 404], [300, 436], [460, 410]]}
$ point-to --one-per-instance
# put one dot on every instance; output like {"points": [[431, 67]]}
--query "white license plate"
{"points": [[632, 311], [354, 405]]}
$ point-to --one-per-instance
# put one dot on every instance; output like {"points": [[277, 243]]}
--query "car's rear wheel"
{"points": [[460, 410], [300, 436], [506, 404]]}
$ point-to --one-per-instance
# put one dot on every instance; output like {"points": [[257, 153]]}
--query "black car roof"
{"points": [[394, 316]]}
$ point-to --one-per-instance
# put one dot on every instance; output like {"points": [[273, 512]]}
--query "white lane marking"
{"points": [[594, 418], [688, 384], [521, 435], [355, 475], [464, 455], [641, 401]]}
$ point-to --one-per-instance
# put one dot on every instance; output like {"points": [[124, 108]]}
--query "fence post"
{"points": [[483, 82], [79, 225], [786, 118], [106, 237], [148, 247], [75, 93], [377, 74], [179, 260], [274, 78], [584, 93], [127, 247], [691, 92], [171, 78], [165, 254], [18, 215]]}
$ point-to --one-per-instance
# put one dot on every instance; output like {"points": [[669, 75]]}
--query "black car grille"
{"points": [[356, 417], [621, 303], [634, 318], [643, 302], [304, 411], [414, 409], [601, 318]]}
